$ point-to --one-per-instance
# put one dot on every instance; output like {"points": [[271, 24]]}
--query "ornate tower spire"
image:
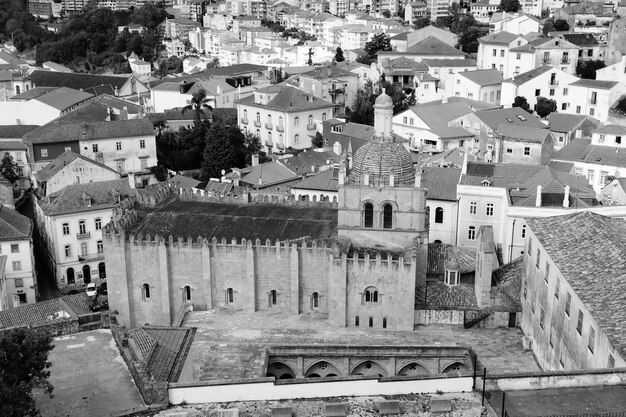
{"points": [[383, 117]]}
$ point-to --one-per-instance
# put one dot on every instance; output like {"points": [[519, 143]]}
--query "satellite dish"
{"points": [[223, 171]]}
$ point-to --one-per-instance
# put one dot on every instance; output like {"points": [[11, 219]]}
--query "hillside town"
{"points": [[312, 208]]}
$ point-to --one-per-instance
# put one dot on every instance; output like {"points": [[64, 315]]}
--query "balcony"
{"points": [[564, 60], [280, 146], [244, 121], [257, 123], [88, 257], [85, 235], [546, 61], [311, 127], [554, 82], [268, 126], [593, 101], [280, 128], [336, 90]]}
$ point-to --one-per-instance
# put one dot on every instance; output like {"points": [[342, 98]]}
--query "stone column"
{"points": [[337, 291], [250, 277], [167, 315], [294, 287], [206, 273]]}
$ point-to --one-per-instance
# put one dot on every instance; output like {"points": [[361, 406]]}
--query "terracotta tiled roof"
{"points": [[499, 175], [588, 249], [561, 122], [499, 38], [439, 254], [168, 358], [301, 163], [323, 181], [288, 99], [62, 132], [441, 182], [523, 133], [438, 294], [581, 150], [268, 173], [61, 161], [511, 115], [77, 81], [13, 225], [15, 131], [433, 46], [603, 85], [508, 280], [44, 312]]}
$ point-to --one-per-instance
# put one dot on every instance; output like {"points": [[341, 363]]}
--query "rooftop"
{"points": [[221, 220], [483, 77], [229, 71], [288, 99], [60, 131], [602, 85], [581, 39], [511, 115], [450, 62], [268, 173], [499, 38], [14, 226], [529, 75], [523, 133], [322, 181], [441, 182], [15, 131], [432, 46], [61, 161], [581, 150], [437, 115], [78, 81], [575, 242], [498, 175], [561, 122]]}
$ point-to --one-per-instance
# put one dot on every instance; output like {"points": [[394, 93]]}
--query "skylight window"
{"points": [[509, 120], [522, 118]]}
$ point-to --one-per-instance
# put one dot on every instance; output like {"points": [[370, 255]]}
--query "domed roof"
{"points": [[383, 100], [380, 160]]}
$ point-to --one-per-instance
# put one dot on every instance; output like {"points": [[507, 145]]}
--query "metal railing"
{"points": [[85, 235]]}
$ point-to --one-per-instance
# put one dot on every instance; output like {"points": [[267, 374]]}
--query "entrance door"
{"points": [[86, 274], [102, 270], [70, 276], [512, 319]]}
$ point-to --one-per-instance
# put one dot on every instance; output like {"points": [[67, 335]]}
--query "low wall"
{"points": [[267, 389], [427, 317], [554, 379]]}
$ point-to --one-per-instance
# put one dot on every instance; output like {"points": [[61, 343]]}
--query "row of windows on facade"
{"points": [[567, 307], [82, 226], [281, 140], [591, 175], [281, 121], [386, 216], [492, 95], [94, 148], [84, 249], [86, 270]]}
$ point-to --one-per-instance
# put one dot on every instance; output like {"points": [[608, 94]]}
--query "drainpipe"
{"points": [[512, 240]]}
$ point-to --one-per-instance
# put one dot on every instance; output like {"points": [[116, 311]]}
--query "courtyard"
{"points": [[89, 377], [231, 344]]}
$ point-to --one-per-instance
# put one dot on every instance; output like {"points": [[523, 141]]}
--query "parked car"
{"points": [[103, 288], [91, 290]]}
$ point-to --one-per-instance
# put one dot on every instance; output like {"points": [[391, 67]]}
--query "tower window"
{"points": [[368, 215], [187, 293], [387, 216], [439, 215], [315, 300], [371, 295], [229, 296], [273, 297], [146, 291]]}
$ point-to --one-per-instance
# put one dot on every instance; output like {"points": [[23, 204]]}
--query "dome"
{"points": [[383, 100], [380, 160]]}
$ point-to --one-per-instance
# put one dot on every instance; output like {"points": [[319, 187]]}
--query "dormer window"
{"points": [[452, 275], [486, 183], [86, 200]]}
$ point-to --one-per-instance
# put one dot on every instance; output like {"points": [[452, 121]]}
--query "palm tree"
{"points": [[198, 103]]}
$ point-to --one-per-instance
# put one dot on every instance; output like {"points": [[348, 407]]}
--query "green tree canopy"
{"points": [[225, 149], [561, 25], [379, 42], [362, 110], [9, 169], [511, 6], [23, 366], [587, 68], [522, 103], [339, 57], [545, 106], [421, 22], [468, 41]]}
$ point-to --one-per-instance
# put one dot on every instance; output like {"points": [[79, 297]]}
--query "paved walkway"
{"points": [[230, 344]]}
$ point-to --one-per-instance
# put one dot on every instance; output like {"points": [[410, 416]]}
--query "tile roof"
{"points": [[268, 173], [439, 254], [9, 61], [61, 161], [70, 199], [529, 75], [499, 38], [603, 85], [63, 98], [483, 77], [144, 342], [499, 175], [508, 280], [584, 7], [452, 157], [302, 162], [323, 181], [328, 72], [510, 115], [249, 221], [451, 133], [14, 226], [183, 182], [117, 103], [523, 133], [441, 182], [450, 62], [561, 122], [588, 249], [15, 131], [553, 183], [433, 46], [581, 150], [41, 313], [473, 104], [229, 71], [32, 93], [60, 131], [170, 352], [611, 130], [79, 303], [12, 145], [437, 115], [581, 39], [287, 99], [42, 78], [438, 294]]}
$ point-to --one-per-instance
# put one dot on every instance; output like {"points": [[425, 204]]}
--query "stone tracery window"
{"points": [[368, 215], [387, 216], [371, 295]]}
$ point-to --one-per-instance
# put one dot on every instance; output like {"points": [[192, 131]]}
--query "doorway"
{"points": [[86, 274], [512, 319]]}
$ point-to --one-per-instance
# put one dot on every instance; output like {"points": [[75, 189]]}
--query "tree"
{"points": [[160, 172], [386, 14], [339, 55], [468, 41], [214, 63], [587, 69], [225, 149], [9, 169], [198, 105], [545, 106], [23, 366], [561, 25], [548, 26], [318, 140], [363, 108], [510, 5], [522, 103], [421, 22], [379, 42]]}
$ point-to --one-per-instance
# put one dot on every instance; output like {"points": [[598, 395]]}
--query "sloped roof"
{"points": [[508, 280], [172, 346], [450, 62], [510, 115], [32, 93], [70, 198], [499, 175], [57, 131], [269, 173], [561, 122], [603, 85], [63, 98], [322, 181], [183, 182], [438, 294], [449, 157], [499, 38], [529, 75], [12, 145], [41, 313], [327, 71], [78, 81], [473, 104], [61, 161], [249, 221], [439, 254], [581, 39], [302, 162], [437, 115], [288, 99], [230, 71], [585, 7], [523, 133], [483, 77], [441, 182], [581, 150], [588, 249], [607, 129], [15, 131], [433, 46], [13, 225]]}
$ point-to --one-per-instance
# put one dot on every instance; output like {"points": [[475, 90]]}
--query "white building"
{"points": [[544, 81], [482, 85], [445, 69], [521, 24], [615, 72], [283, 116], [71, 222], [16, 245], [441, 203], [494, 52], [594, 97]]}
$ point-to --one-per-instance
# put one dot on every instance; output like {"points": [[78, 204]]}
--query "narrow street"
{"points": [[46, 286]]}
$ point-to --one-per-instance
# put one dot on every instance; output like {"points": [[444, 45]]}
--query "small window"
{"points": [[94, 147], [19, 282], [523, 232], [404, 120], [22, 298], [387, 216], [186, 293], [296, 121], [324, 117], [142, 144], [315, 300], [296, 138], [538, 260], [547, 272], [229, 296], [592, 339], [15, 248], [471, 233], [557, 288], [44, 152], [579, 326], [565, 91], [100, 246], [371, 295], [68, 251], [542, 318], [145, 289], [98, 223], [368, 215], [537, 92], [273, 297], [618, 140], [371, 322], [356, 321], [439, 215], [68, 148], [568, 303], [384, 322], [82, 229], [527, 150], [17, 265], [472, 207], [118, 146], [489, 211]]}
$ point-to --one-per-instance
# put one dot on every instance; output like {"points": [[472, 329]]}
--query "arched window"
{"points": [[439, 215], [145, 291], [258, 134], [315, 300], [71, 279], [371, 295], [269, 119], [296, 121], [258, 117], [229, 296], [17, 89], [323, 117], [245, 115], [273, 298], [186, 293], [371, 322], [269, 136], [280, 121], [384, 322], [356, 321], [368, 215], [296, 138], [310, 120], [387, 216], [82, 229]]}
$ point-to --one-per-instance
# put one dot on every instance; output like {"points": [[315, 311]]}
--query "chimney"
{"points": [[418, 178], [131, 180], [124, 113], [255, 159], [566, 197], [391, 180], [486, 263], [538, 199], [366, 180], [464, 167], [312, 168]]}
